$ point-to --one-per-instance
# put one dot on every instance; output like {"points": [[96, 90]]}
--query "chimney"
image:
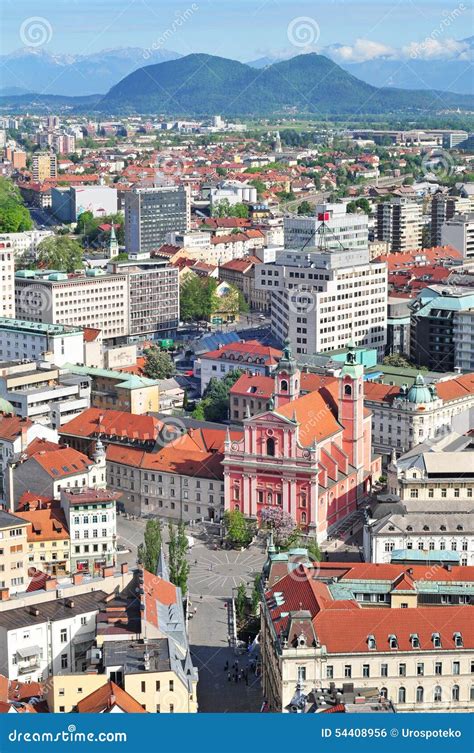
{"points": [[4, 594], [70, 603], [77, 579], [108, 571]]}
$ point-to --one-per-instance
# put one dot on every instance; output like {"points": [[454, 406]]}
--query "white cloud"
{"points": [[432, 47], [360, 51]]}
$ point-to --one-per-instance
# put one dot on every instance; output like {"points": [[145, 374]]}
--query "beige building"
{"points": [[117, 390], [93, 299], [371, 625], [13, 548], [48, 544], [64, 692], [44, 166]]}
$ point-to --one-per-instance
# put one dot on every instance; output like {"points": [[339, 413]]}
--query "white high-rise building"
{"points": [[459, 232], [344, 230], [322, 299], [400, 223], [7, 280]]}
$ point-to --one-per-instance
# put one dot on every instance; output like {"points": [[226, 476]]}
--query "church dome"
{"points": [[6, 407], [419, 392]]}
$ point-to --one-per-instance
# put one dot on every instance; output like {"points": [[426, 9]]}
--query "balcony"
{"points": [[28, 659]]}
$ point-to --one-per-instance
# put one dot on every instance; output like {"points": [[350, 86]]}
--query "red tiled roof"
{"points": [[251, 349], [46, 525], [106, 697], [11, 426], [112, 423], [62, 462], [91, 334], [157, 591], [389, 572], [419, 256], [254, 385], [314, 415], [41, 445]]}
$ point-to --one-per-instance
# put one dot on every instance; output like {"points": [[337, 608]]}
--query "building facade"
{"points": [[399, 222], [7, 280], [152, 213], [344, 230], [13, 552]]}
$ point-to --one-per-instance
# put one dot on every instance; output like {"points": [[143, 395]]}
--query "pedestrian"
{"points": [[226, 666], [228, 676], [195, 561], [247, 679]]}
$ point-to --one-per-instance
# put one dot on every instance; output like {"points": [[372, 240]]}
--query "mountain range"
{"points": [[33, 69], [36, 70], [200, 84]]}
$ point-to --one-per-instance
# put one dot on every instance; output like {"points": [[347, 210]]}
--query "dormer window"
{"points": [[458, 641], [415, 641], [371, 643], [393, 642], [436, 638]]}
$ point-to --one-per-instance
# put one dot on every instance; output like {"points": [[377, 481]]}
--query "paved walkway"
{"points": [[211, 582]]}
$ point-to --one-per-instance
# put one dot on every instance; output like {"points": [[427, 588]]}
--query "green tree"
{"points": [[238, 531], [313, 550], [305, 208], [215, 400], [14, 216], [255, 597], [241, 602], [198, 412], [178, 564], [198, 299], [149, 550], [259, 185], [60, 253], [397, 360], [86, 222], [158, 364]]}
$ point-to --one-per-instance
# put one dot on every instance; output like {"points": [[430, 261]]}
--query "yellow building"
{"points": [[64, 692], [120, 390], [48, 543], [13, 567]]}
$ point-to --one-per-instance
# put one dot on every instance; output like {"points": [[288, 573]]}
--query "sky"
{"points": [[240, 29]]}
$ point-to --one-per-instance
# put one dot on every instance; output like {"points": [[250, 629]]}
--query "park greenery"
{"points": [[60, 253], [224, 209], [239, 531], [89, 228], [149, 550], [214, 405], [199, 299], [158, 364], [177, 562], [14, 216]]}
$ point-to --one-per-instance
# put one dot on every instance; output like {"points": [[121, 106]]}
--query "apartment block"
{"points": [[399, 222], [152, 213], [13, 553], [7, 279]]}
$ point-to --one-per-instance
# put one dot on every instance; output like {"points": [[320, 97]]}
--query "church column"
{"points": [[292, 492]]}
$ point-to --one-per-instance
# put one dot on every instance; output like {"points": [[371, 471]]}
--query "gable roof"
{"points": [[105, 698], [62, 462], [314, 415], [11, 426], [113, 423]]}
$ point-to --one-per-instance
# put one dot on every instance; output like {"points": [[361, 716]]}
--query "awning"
{"points": [[29, 651]]}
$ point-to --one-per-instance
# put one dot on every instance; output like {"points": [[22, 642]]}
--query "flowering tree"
{"points": [[281, 523]]}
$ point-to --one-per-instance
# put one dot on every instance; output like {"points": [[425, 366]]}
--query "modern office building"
{"points": [[463, 332], [439, 333], [344, 230], [152, 213], [322, 299], [443, 208], [55, 343], [399, 222], [459, 232], [44, 166], [45, 394], [68, 203], [92, 299], [7, 279]]}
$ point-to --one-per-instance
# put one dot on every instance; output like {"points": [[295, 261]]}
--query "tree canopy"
{"points": [[14, 216], [158, 364], [238, 530], [198, 299], [149, 550], [215, 403], [177, 562], [61, 253]]}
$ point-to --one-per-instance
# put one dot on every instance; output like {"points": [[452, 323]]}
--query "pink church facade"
{"points": [[311, 454]]}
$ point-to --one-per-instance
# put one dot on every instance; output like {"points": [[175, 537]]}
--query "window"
{"points": [[83, 620], [271, 447], [371, 643], [383, 692], [438, 668], [384, 670], [402, 695], [393, 641], [471, 693], [456, 668], [171, 708], [143, 686], [301, 674], [329, 671], [402, 670], [64, 661], [455, 693], [157, 686], [365, 670], [458, 642], [347, 670], [420, 694], [438, 694], [63, 634], [436, 640], [420, 669], [171, 685]]}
